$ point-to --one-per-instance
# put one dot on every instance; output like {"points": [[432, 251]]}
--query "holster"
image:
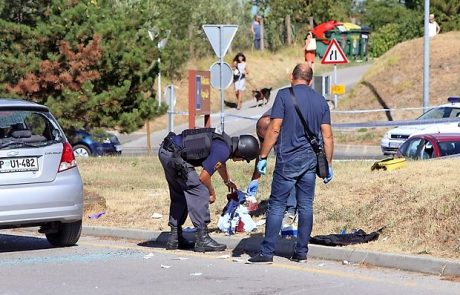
{"points": [[177, 163]]}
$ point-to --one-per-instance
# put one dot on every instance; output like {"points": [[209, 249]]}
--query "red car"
{"points": [[427, 146]]}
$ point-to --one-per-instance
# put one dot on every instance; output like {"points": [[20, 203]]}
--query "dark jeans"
{"points": [[257, 44], [188, 197], [291, 206], [298, 173]]}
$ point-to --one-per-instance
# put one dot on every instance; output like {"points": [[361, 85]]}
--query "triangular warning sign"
{"points": [[334, 54], [220, 37]]}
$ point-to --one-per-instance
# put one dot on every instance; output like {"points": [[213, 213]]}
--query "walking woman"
{"points": [[240, 71], [310, 49]]}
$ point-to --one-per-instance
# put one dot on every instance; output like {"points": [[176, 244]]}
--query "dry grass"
{"points": [[398, 77], [418, 204], [266, 69]]}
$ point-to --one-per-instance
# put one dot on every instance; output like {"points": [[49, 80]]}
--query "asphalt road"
{"points": [[28, 265]]}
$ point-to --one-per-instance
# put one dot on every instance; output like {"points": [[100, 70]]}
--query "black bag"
{"points": [[357, 237], [322, 167]]}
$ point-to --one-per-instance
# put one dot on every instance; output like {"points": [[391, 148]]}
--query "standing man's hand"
{"points": [[262, 166], [252, 188], [329, 176]]}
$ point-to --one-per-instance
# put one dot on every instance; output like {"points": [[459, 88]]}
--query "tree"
{"points": [[89, 61]]}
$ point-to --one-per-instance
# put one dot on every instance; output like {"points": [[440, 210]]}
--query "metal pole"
{"points": [[159, 81], [171, 109], [336, 100], [426, 59], [222, 103]]}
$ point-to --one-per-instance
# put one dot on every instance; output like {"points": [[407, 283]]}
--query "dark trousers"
{"points": [[298, 174], [188, 196]]}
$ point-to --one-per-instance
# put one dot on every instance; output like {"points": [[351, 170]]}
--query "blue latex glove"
{"points": [[262, 166], [252, 188], [329, 176]]}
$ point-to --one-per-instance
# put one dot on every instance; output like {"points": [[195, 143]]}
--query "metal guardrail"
{"points": [[393, 123]]}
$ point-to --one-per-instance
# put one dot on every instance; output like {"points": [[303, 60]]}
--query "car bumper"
{"points": [[390, 146], [106, 149], [59, 200]]}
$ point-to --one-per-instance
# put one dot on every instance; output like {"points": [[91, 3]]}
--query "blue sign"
{"points": [[198, 92]]}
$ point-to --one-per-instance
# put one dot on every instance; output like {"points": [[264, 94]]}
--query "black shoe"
{"points": [[204, 243], [260, 259], [177, 241], [299, 258]]}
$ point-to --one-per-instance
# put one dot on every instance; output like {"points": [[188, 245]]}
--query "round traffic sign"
{"points": [[227, 75]]}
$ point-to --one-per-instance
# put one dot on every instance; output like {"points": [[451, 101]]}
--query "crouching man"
{"points": [[191, 193]]}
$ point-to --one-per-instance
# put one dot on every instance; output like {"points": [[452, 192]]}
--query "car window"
{"points": [[439, 113], [449, 148], [26, 126], [455, 113], [412, 147], [427, 151]]}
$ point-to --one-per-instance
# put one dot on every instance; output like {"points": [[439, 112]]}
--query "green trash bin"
{"points": [[364, 43]]}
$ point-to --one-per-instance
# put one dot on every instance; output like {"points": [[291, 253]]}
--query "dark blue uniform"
{"points": [[187, 193]]}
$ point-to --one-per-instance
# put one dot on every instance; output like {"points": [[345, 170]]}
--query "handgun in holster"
{"points": [[178, 164]]}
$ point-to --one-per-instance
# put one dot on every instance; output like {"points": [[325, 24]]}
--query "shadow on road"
{"points": [[12, 243], [251, 246]]}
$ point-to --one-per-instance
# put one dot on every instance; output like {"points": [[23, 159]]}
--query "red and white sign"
{"points": [[334, 54]]}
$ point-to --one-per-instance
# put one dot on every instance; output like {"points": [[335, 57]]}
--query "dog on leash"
{"points": [[261, 96]]}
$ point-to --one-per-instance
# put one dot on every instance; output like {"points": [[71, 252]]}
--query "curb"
{"points": [[429, 265]]}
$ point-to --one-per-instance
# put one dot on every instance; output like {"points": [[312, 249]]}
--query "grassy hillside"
{"points": [[419, 204], [398, 78]]}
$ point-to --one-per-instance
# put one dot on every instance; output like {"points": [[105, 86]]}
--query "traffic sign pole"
{"points": [[336, 99], [334, 55], [220, 37], [222, 103]]}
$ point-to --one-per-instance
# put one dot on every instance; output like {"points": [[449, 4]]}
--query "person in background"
{"points": [[309, 53], [433, 27], [240, 71], [295, 160], [191, 193], [255, 29]]}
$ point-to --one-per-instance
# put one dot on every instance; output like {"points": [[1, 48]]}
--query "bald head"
{"points": [[302, 72]]}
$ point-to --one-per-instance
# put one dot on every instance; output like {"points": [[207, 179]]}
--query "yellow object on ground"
{"points": [[389, 164]]}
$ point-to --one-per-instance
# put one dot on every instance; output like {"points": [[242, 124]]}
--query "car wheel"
{"points": [[81, 151], [66, 235]]}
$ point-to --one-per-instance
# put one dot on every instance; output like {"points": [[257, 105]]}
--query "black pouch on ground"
{"points": [[357, 237]]}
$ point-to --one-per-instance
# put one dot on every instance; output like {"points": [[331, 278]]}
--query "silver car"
{"points": [[40, 184]]}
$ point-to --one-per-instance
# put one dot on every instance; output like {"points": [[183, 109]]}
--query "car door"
{"points": [[412, 148]]}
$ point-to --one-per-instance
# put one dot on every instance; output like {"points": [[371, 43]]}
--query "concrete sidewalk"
{"points": [[422, 264]]}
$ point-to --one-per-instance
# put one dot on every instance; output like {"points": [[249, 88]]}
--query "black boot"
{"points": [[177, 241], [204, 243]]}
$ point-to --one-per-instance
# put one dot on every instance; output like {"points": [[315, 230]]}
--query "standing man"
{"points": [[255, 29], [191, 193], [295, 160]]}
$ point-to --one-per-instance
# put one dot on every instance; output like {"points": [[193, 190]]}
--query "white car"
{"points": [[394, 138]]}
